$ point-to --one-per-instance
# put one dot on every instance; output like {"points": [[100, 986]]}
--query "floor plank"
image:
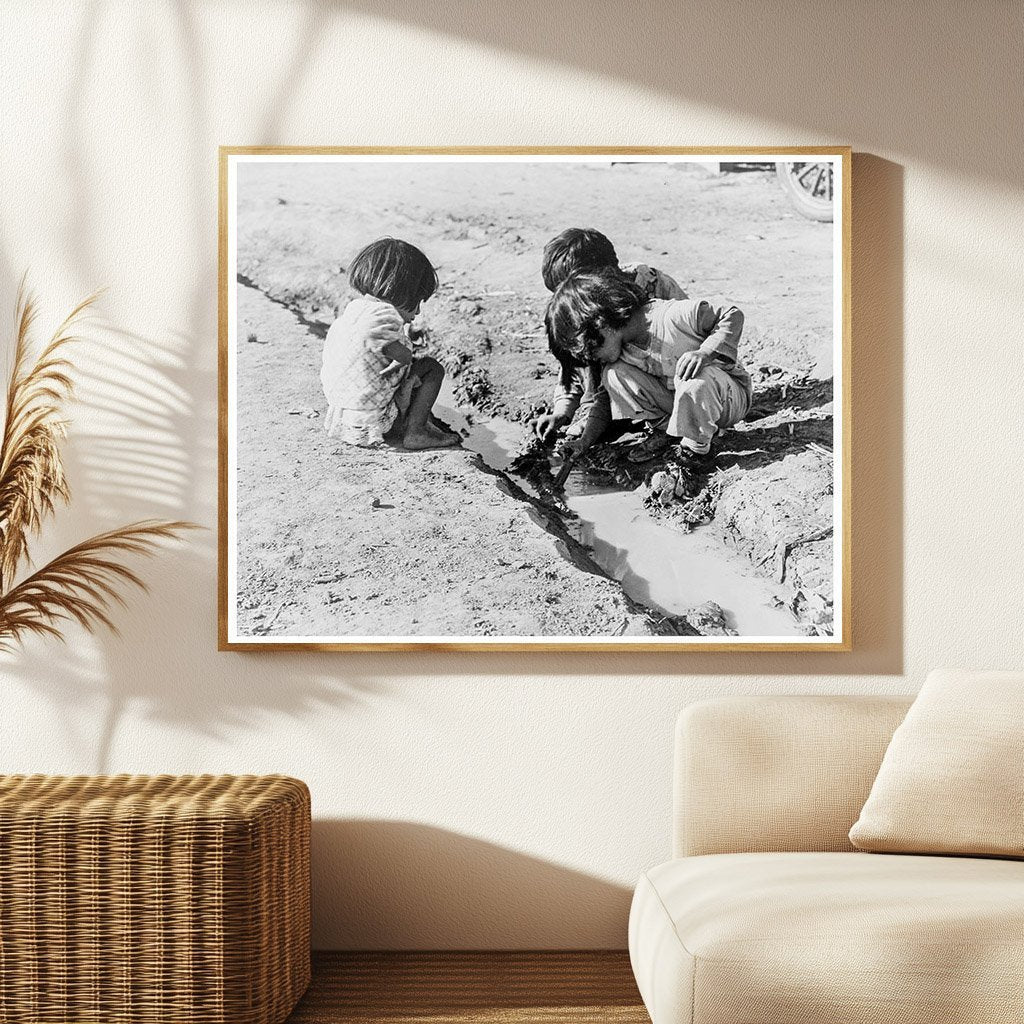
{"points": [[465, 988]]}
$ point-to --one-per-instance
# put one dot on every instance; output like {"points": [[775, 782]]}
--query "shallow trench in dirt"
{"points": [[599, 529], [661, 567]]}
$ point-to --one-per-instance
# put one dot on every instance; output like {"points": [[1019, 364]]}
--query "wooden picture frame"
{"points": [[323, 544]]}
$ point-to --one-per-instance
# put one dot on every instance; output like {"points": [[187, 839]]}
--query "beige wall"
{"points": [[487, 800]]}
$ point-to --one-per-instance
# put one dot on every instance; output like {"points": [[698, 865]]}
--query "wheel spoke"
{"points": [[800, 175], [810, 187]]}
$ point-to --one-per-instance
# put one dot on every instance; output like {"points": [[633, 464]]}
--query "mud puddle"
{"points": [[660, 567]]}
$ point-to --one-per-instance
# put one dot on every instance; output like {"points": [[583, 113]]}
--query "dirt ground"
{"points": [[341, 541], [337, 541]]}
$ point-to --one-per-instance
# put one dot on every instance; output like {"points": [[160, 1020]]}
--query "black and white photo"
{"points": [[488, 399]]}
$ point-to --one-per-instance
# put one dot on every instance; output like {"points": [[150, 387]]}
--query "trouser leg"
{"points": [[637, 396], [705, 404]]}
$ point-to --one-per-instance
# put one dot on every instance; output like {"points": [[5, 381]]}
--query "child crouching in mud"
{"points": [[670, 364], [587, 251], [375, 386]]}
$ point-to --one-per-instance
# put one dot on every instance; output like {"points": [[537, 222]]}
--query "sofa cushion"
{"points": [[950, 781], [789, 938], [778, 772]]}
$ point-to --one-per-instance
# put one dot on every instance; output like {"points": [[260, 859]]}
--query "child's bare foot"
{"points": [[421, 440], [433, 423], [440, 430]]}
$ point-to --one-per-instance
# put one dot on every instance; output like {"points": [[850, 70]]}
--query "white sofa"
{"points": [[768, 915]]}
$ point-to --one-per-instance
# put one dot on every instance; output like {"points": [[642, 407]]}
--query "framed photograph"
{"points": [[508, 399]]}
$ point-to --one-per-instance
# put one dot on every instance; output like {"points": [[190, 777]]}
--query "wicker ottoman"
{"points": [[171, 899]]}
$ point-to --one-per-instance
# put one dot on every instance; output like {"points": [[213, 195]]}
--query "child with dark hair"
{"points": [[670, 364], [373, 383], [583, 251], [576, 251]]}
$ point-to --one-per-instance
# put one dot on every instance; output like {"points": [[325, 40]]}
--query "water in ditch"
{"points": [[658, 566]]}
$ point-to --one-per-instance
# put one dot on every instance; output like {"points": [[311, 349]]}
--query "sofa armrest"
{"points": [[759, 774]]}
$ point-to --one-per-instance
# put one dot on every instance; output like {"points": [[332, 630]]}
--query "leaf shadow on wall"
{"points": [[405, 885], [147, 446], [137, 456]]}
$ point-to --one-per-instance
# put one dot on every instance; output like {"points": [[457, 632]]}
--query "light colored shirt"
{"points": [[656, 284], [674, 327], [361, 404], [677, 327]]}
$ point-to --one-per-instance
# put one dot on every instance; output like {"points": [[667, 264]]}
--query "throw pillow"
{"points": [[952, 779]]}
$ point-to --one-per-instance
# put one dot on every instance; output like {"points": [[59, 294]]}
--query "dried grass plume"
{"points": [[83, 583]]}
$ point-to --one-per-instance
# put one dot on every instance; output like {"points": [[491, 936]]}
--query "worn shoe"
{"points": [[691, 470], [650, 447], [692, 461]]}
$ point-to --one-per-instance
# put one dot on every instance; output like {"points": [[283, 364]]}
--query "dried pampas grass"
{"points": [[82, 584]]}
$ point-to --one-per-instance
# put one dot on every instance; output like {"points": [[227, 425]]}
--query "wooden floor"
{"points": [[461, 988]]}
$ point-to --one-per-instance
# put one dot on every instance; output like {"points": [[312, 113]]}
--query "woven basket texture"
{"points": [[136, 899]]}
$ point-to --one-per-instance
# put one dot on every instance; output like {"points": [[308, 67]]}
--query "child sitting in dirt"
{"points": [[672, 364], [581, 251], [373, 383]]}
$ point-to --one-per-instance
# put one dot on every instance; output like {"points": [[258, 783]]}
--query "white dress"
{"points": [[362, 406]]}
